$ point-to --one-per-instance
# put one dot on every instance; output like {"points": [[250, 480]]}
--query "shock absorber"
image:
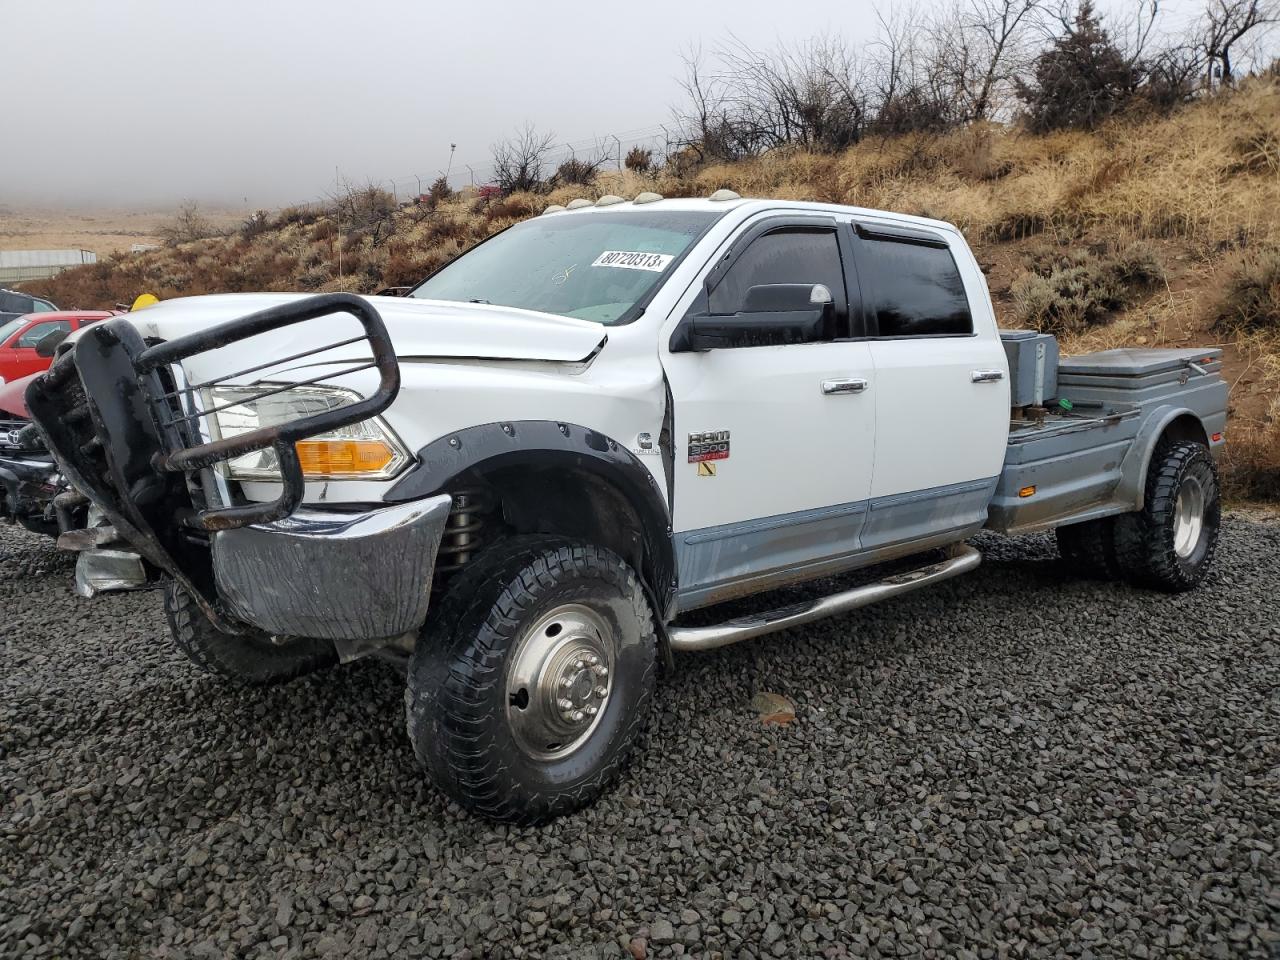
{"points": [[462, 536]]}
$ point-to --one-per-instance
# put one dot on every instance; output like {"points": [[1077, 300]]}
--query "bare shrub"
{"points": [[518, 161], [577, 171], [188, 224], [439, 191], [367, 211]]}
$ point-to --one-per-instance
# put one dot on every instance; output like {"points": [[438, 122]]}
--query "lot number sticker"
{"points": [[634, 260]]}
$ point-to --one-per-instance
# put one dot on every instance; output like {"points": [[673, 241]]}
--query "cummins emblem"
{"points": [[711, 445]]}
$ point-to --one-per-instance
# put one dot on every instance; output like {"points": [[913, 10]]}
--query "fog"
{"points": [[259, 103]]}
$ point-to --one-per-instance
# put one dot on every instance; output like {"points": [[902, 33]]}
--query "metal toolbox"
{"points": [[1033, 366]]}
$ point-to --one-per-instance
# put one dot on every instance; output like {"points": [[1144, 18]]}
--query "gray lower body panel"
{"points": [[720, 563], [331, 575]]}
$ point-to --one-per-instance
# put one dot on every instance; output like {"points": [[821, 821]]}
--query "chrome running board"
{"points": [[961, 559]]}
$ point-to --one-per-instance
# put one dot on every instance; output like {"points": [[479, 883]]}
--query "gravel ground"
{"points": [[1015, 763]]}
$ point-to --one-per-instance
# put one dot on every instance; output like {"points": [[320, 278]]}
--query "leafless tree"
{"points": [[518, 161], [1227, 24]]}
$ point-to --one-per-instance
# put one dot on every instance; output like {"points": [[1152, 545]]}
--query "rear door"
{"points": [[941, 381], [773, 442]]}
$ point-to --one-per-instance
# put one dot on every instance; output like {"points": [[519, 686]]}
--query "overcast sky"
{"points": [[257, 101]]}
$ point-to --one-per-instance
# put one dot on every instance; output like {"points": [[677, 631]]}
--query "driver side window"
{"points": [[41, 330], [793, 256]]}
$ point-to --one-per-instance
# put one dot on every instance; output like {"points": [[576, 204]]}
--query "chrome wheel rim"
{"points": [[1188, 517], [560, 681]]}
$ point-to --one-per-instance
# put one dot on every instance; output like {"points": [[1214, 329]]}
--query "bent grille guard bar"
{"points": [[116, 429], [283, 437]]}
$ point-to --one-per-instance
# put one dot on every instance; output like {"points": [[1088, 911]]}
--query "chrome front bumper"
{"points": [[331, 575]]}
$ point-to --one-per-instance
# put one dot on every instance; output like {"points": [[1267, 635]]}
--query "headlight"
{"points": [[362, 451]]}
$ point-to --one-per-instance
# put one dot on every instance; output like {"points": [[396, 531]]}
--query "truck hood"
{"points": [[425, 329]]}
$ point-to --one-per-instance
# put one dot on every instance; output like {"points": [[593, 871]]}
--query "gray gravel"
{"points": [[1015, 763]]}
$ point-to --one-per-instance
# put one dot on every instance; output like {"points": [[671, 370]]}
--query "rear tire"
{"points": [[1088, 548], [251, 658], [531, 682], [1170, 543]]}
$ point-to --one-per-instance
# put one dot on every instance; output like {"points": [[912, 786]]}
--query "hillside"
{"points": [[1161, 232]]}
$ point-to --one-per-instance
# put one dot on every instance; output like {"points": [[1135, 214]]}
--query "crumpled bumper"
{"points": [[333, 575]]}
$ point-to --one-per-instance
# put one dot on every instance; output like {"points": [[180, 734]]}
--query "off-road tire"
{"points": [[252, 658], [1088, 548], [457, 696], [1145, 540]]}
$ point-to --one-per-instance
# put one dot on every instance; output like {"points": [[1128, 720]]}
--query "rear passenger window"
{"points": [[785, 256], [915, 289]]}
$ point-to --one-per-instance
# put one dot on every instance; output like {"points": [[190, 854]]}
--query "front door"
{"points": [[773, 443]]}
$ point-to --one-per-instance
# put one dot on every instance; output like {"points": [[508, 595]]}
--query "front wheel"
{"points": [[531, 683], [1170, 543], [253, 658]]}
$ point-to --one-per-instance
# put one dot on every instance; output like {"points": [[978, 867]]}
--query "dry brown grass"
{"points": [[1199, 190]]}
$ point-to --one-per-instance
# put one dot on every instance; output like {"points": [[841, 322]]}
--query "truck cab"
{"points": [[519, 480]]}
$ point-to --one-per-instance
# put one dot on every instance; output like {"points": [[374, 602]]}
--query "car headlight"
{"points": [[362, 451]]}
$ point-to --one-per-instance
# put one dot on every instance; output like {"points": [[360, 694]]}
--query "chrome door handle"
{"points": [[830, 387], [987, 376]]}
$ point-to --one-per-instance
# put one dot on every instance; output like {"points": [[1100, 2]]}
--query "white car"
{"points": [[519, 479]]}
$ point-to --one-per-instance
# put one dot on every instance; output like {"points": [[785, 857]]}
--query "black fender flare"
{"points": [[550, 443]]}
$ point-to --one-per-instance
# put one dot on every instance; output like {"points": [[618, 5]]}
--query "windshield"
{"points": [[597, 266], [7, 329]]}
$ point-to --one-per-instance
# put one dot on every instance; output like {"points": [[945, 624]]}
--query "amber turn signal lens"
{"points": [[1027, 492], [335, 458]]}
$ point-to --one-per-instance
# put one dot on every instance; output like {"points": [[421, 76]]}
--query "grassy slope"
{"points": [[1201, 190]]}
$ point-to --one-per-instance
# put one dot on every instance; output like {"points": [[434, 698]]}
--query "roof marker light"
{"points": [[724, 195], [578, 203], [554, 208], [648, 197], [609, 199]]}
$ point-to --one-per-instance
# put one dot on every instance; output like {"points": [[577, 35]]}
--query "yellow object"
{"points": [[706, 469], [330, 458], [1027, 492], [144, 300]]}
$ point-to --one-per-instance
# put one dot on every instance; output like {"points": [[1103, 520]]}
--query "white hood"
{"points": [[418, 328]]}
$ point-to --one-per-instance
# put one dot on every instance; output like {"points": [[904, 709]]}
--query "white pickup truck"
{"points": [[521, 478]]}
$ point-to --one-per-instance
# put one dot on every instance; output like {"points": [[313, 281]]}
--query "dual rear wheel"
{"points": [[1170, 543]]}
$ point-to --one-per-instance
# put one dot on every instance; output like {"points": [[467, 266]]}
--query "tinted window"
{"points": [[915, 290], [14, 302], [787, 256], [42, 306], [40, 331]]}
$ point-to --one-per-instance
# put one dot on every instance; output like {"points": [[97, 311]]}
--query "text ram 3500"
{"points": [[520, 479]]}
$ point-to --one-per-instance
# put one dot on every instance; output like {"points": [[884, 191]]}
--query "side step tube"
{"points": [[961, 559]]}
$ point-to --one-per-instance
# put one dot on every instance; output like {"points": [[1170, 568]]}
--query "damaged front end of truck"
{"points": [[138, 439]]}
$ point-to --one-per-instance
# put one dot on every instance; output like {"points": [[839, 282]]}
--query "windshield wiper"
{"points": [[478, 300]]}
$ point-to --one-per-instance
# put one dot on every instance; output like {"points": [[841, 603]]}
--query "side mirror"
{"points": [[773, 313], [48, 344]]}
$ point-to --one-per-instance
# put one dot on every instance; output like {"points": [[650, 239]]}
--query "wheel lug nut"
{"points": [[591, 711], [566, 682], [600, 691], [564, 704], [577, 715], [593, 659], [600, 670]]}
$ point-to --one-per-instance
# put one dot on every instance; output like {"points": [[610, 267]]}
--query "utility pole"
{"points": [[449, 166], [337, 196]]}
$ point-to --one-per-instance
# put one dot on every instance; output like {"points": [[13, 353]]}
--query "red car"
{"points": [[19, 336]]}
